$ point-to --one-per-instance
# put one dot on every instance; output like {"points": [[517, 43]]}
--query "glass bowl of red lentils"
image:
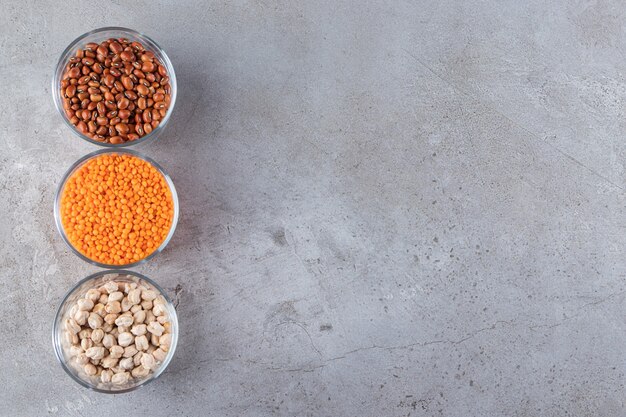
{"points": [[76, 327], [116, 208], [114, 87]]}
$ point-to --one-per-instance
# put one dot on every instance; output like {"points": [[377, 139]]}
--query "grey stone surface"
{"points": [[412, 208]]}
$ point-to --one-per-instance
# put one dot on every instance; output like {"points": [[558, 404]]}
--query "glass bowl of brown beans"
{"points": [[115, 331], [114, 87]]}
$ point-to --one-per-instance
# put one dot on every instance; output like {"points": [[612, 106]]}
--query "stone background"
{"points": [[387, 208]]}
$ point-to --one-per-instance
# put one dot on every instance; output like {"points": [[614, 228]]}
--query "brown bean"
{"points": [[91, 46], [147, 127], [147, 67], [131, 95], [70, 91], [102, 121], [83, 95], [84, 103], [154, 124], [118, 85], [74, 120], [162, 71], [150, 77], [116, 140], [127, 82], [139, 129], [102, 130], [92, 106], [123, 103], [112, 131], [122, 128], [102, 50], [80, 53], [137, 46], [88, 61], [101, 108], [141, 103], [150, 102], [156, 115], [147, 116], [95, 97], [90, 54], [91, 126], [74, 72], [137, 117], [112, 114], [147, 56], [164, 81], [159, 105], [132, 106], [115, 121], [82, 126], [124, 114], [158, 97], [115, 47], [132, 136], [139, 74], [142, 89], [109, 79], [127, 56], [98, 68], [99, 138], [86, 114]]}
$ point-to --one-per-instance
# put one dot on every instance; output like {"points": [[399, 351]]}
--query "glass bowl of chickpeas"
{"points": [[116, 208], [115, 331], [114, 87]]}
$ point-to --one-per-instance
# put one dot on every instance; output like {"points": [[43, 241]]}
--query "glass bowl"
{"points": [[77, 165], [99, 35], [62, 344]]}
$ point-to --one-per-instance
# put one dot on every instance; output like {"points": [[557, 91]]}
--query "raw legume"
{"points": [[116, 356], [116, 209], [112, 76]]}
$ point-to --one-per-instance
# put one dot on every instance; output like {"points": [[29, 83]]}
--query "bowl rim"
{"points": [[152, 46], [56, 331], [80, 162]]}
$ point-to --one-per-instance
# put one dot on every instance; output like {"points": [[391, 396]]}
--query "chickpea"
{"points": [[116, 351], [155, 328], [120, 378], [125, 339]]}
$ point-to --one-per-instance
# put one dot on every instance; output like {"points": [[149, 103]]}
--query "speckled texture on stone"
{"points": [[387, 208]]}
